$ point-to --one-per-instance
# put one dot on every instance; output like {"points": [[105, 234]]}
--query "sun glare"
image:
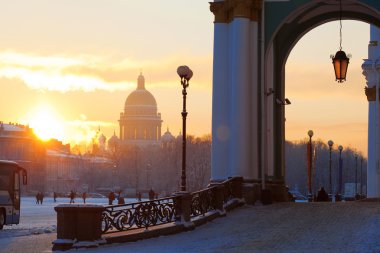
{"points": [[46, 123]]}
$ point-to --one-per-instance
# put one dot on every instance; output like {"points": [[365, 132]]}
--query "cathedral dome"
{"points": [[167, 137], [140, 99], [102, 139], [113, 141], [140, 123]]}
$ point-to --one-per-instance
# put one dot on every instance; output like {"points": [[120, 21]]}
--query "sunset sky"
{"points": [[70, 64]]}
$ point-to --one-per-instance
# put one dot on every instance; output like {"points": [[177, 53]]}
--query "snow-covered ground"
{"points": [[281, 227], [42, 219]]}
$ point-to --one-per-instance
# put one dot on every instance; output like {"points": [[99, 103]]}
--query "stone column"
{"points": [[220, 96], [240, 97], [254, 98], [371, 70]]}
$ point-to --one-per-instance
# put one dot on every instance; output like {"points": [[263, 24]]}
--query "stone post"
{"points": [[78, 225], [218, 197], [182, 203], [237, 187]]}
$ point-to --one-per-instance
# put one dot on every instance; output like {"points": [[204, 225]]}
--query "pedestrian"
{"points": [[84, 196], [38, 198], [120, 199], [55, 196], [138, 195], [41, 198], [72, 196], [111, 197], [151, 194], [322, 195]]}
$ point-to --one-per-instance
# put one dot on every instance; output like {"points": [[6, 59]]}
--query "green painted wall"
{"points": [[276, 12]]}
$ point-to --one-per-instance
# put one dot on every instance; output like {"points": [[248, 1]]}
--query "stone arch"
{"points": [[299, 22], [249, 75]]}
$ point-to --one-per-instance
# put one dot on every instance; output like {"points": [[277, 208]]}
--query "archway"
{"points": [[252, 41], [334, 111], [298, 23]]}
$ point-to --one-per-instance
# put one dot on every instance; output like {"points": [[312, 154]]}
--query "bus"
{"points": [[10, 179]]}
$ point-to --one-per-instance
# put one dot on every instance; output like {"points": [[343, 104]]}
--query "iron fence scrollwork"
{"points": [[138, 215]]}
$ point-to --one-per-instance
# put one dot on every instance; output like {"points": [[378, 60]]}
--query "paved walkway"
{"points": [[282, 227]]}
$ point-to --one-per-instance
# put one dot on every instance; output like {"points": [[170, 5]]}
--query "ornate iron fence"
{"points": [[206, 200], [138, 215], [166, 210], [202, 202]]}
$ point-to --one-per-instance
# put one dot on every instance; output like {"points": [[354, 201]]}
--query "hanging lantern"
{"points": [[340, 62]]}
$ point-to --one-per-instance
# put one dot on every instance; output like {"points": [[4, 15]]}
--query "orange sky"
{"points": [[71, 64]]}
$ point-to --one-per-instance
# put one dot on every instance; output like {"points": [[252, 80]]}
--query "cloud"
{"points": [[90, 73]]}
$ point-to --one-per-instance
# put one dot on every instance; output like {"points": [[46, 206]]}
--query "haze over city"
{"points": [[219, 125], [66, 72]]}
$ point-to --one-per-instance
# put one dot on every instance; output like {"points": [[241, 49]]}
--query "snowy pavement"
{"points": [[40, 219], [281, 227], [37, 225]]}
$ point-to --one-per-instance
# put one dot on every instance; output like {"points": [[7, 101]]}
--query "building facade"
{"points": [[18, 143]]}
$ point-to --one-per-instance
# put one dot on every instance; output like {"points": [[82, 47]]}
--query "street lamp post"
{"points": [[361, 175], [331, 143], [185, 74], [356, 176], [148, 170], [340, 148], [310, 133]]}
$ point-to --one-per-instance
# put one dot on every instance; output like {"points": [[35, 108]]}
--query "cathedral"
{"points": [[140, 123]]}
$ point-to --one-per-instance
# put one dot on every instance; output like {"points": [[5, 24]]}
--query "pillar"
{"points": [[221, 131], [254, 99], [371, 70], [239, 95], [235, 119]]}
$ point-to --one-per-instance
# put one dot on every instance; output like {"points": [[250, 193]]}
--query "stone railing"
{"points": [[216, 197], [183, 210]]}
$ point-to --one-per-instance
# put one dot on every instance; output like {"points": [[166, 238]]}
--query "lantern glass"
{"points": [[340, 62]]}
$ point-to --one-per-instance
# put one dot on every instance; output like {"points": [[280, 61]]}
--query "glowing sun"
{"points": [[46, 123]]}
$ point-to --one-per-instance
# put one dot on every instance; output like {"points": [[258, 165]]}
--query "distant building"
{"points": [[62, 171], [140, 123], [66, 172], [167, 139], [18, 143]]}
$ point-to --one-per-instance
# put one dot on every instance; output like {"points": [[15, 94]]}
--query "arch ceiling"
{"points": [[287, 22]]}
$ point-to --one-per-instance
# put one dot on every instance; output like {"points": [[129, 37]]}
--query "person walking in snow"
{"points": [[111, 197], [151, 194], [72, 197], [41, 198], [84, 196]]}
